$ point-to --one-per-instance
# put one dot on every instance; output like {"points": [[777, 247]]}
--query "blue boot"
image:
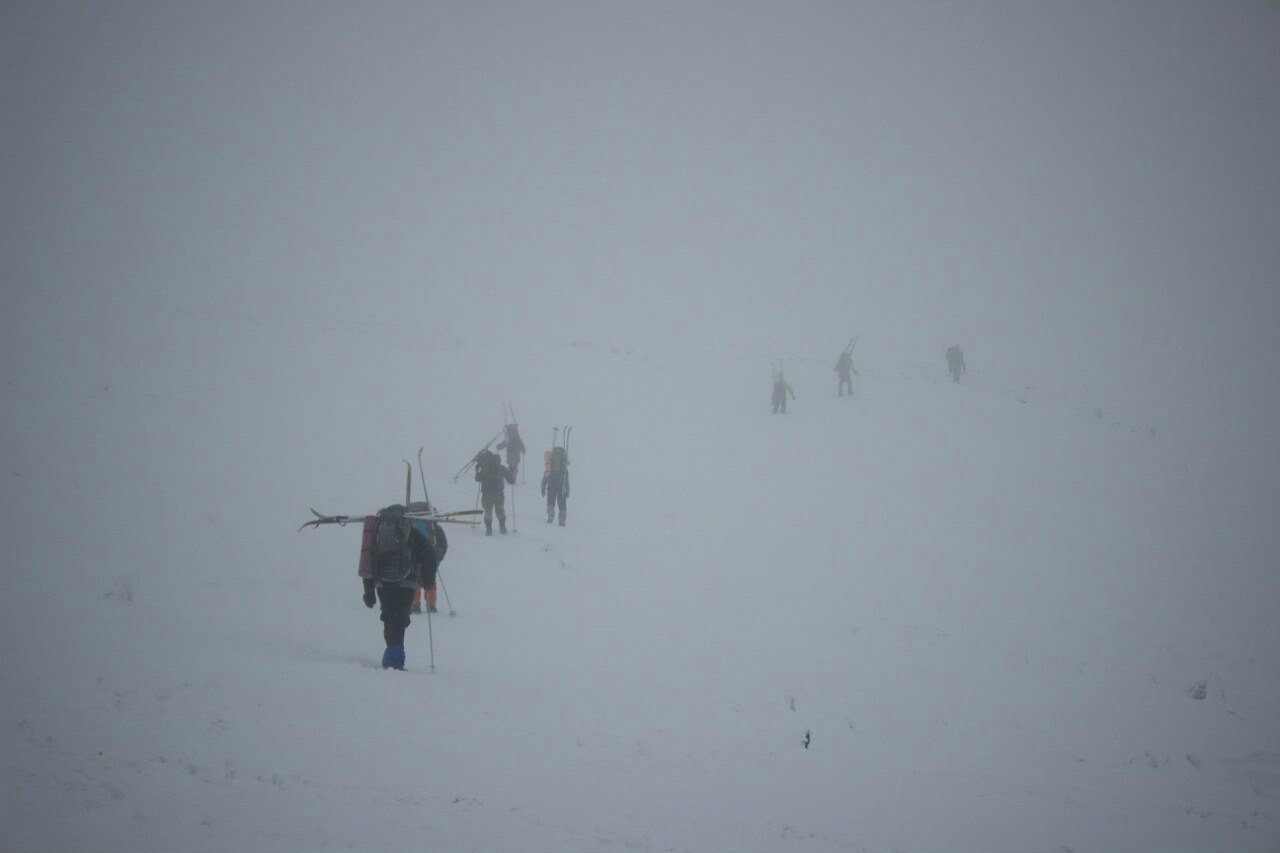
{"points": [[393, 657]]}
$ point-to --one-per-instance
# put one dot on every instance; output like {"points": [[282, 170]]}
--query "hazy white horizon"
{"points": [[231, 230]]}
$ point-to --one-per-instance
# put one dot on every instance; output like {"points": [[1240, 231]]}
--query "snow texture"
{"points": [[256, 255]]}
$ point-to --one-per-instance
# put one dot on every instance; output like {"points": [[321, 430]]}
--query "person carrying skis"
{"points": [[555, 483], [513, 445], [491, 474], [844, 367], [397, 556], [440, 545], [781, 388], [955, 362]]}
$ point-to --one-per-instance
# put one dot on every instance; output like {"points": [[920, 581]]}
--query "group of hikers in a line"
{"points": [[400, 554], [493, 475], [846, 370]]}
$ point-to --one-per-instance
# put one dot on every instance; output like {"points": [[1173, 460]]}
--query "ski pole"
{"points": [[431, 642], [440, 578]]}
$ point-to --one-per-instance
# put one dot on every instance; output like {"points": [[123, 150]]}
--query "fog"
{"points": [[1084, 190], [253, 255]]}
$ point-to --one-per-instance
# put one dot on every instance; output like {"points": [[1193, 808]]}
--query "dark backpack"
{"points": [[392, 553], [439, 542], [559, 460]]}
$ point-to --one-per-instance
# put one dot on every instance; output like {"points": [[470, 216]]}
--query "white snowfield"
{"points": [[255, 254], [1003, 621]]}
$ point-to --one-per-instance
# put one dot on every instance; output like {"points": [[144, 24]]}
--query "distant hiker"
{"points": [[955, 362], [555, 482], [513, 445], [439, 544], [844, 367], [491, 474], [397, 556], [781, 388]]}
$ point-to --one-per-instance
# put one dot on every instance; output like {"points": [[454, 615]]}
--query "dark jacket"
{"points": [[556, 483], [426, 559], [781, 388], [513, 445], [439, 542], [844, 366], [491, 473]]}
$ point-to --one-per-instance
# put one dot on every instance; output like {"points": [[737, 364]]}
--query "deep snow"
{"points": [[253, 255], [988, 605]]}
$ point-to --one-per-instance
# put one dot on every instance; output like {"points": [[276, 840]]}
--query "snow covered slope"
{"points": [[1003, 620], [253, 255]]}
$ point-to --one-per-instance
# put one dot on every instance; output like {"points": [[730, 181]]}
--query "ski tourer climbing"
{"points": [[955, 362], [491, 474], [512, 443], [397, 557], [555, 483], [781, 388], [846, 371], [440, 545]]}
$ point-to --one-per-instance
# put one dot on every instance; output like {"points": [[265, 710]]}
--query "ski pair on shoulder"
{"points": [[555, 475], [454, 517], [401, 548]]}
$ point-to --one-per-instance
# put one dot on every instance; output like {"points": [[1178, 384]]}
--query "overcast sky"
{"points": [[1083, 187]]}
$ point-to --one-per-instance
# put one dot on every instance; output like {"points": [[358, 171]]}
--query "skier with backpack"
{"points": [[845, 368], [440, 545], [555, 482], [955, 362], [512, 443], [781, 388], [397, 557], [491, 474]]}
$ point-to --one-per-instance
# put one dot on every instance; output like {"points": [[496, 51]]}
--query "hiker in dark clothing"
{"points": [[440, 545], [514, 446], [955, 362], [392, 588], [555, 483], [491, 474], [844, 367], [781, 388]]}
